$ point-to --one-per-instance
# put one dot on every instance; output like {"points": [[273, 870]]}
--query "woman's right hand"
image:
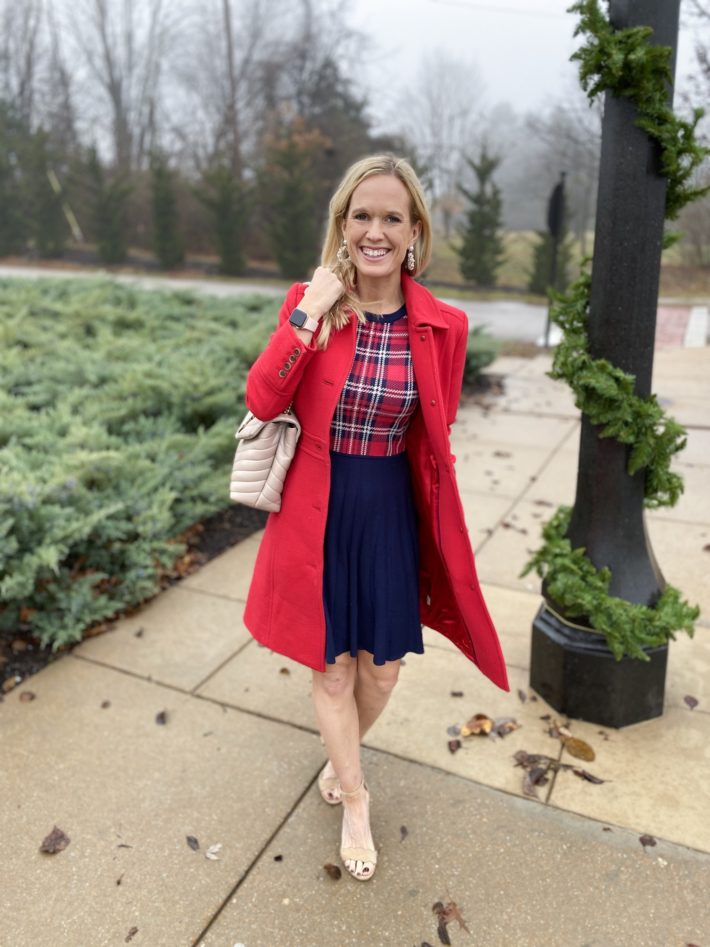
{"points": [[324, 290]]}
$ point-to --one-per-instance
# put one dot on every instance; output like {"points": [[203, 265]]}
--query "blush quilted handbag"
{"points": [[263, 456]]}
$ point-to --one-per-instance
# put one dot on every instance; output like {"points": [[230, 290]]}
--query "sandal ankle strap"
{"points": [[353, 792]]}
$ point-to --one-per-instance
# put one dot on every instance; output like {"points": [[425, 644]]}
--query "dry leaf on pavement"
{"points": [[56, 841]]}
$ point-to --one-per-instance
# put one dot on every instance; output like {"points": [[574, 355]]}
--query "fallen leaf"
{"points": [[56, 841], [454, 745], [332, 871], [131, 934], [27, 696], [161, 717], [213, 851], [588, 776], [457, 693], [403, 832], [284, 670], [138, 633], [502, 726], [647, 840], [278, 858], [105, 704], [445, 914], [579, 748], [479, 723], [690, 701], [18, 644], [192, 842]]}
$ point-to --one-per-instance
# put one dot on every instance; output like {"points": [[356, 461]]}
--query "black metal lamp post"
{"points": [[555, 226], [571, 665]]}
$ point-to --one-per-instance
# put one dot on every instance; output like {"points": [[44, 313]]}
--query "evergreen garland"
{"points": [[623, 62], [626, 64]]}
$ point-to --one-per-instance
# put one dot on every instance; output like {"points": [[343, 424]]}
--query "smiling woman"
{"points": [[370, 541]]}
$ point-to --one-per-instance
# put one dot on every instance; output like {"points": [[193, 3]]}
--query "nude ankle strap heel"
{"points": [[349, 853]]}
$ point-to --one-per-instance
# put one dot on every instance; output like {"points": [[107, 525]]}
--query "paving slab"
{"points": [[228, 574], [502, 557], [520, 873], [476, 424], [178, 638], [483, 514], [497, 468], [679, 549], [537, 396], [127, 791]]}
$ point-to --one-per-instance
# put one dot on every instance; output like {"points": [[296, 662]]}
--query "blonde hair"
{"points": [[349, 302]]}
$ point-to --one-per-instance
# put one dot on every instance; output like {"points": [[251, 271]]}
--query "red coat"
{"points": [[284, 608]]}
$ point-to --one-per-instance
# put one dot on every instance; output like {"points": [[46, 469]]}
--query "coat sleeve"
{"points": [[274, 376], [456, 377]]}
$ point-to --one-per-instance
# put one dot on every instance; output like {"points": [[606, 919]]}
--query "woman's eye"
{"points": [[360, 215], [393, 219]]}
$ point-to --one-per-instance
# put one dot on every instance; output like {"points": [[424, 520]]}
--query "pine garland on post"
{"points": [[625, 63]]}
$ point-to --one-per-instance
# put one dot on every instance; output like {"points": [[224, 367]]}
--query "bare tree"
{"points": [[570, 135], [20, 27], [440, 114], [122, 47]]}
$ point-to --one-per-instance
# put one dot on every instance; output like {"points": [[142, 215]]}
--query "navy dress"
{"points": [[371, 551]]}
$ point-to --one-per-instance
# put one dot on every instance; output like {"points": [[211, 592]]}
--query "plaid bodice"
{"points": [[380, 394]]}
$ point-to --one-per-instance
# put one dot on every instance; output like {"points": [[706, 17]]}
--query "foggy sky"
{"points": [[521, 47]]}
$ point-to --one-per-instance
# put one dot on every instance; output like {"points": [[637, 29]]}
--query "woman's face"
{"points": [[378, 228]]}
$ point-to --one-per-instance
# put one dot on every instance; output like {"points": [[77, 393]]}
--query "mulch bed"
{"points": [[20, 653]]}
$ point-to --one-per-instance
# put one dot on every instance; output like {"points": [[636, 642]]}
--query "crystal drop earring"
{"points": [[411, 262], [342, 254]]}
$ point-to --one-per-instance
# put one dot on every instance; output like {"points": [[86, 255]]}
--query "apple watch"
{"points": [[302, 320]]}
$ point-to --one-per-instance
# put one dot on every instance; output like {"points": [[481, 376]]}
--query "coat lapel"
{"points": [[425, 323]]}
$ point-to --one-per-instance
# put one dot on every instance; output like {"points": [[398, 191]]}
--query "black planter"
{"points": [[576, 673]]}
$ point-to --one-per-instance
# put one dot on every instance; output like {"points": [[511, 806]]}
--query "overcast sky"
{"points": [[521, 47]]}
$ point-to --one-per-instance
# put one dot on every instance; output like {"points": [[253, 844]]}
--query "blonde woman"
{"points": [[370, 542]]}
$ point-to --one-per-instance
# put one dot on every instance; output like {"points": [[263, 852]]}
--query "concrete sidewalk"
{"points": [[236, 760]]}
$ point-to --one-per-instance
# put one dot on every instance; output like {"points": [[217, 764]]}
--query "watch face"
{"points": [[298, 317]]}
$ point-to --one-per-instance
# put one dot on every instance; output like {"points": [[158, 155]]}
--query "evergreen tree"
{"points": [[227, 200], [481, 252], [48, 224], [14, 138], [167, 242], [289, 193], [109, 199]]}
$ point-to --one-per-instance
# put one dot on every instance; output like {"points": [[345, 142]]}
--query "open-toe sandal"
{"points": [[328, 785], [358, 854]]}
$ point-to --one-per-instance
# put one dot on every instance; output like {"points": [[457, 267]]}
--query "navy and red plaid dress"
{"points": [[380, 395], [371, 550]]}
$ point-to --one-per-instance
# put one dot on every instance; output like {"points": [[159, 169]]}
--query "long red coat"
{"points": [[284, 608]]}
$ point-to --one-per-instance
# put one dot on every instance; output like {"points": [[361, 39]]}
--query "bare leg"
{"points": [[372, 689], [373, 686], [337, 717]]}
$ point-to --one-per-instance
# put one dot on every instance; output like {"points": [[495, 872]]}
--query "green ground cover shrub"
{"points": [[117, 415], [482, 349]]}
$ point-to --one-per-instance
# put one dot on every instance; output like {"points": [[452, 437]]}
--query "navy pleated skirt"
{"points": [[371, 559]]}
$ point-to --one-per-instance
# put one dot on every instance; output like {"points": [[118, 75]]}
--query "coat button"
{"points": [[423, 338], [282, 373], [296, 351], [292, 358], [287, 365]]}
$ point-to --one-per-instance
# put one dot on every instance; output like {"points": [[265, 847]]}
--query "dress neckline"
{"points": [[387, 316]]}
